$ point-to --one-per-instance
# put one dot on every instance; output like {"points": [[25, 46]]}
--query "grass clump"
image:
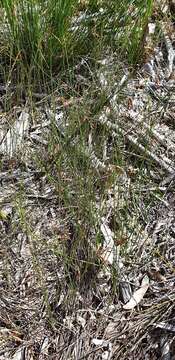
{"points": [[39, 37], [37, 33]]}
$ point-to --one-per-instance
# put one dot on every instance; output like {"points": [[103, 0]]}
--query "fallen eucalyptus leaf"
{"points": [[108, 245], [19, 354], [138, 294], [13, 139], [100, 342]]}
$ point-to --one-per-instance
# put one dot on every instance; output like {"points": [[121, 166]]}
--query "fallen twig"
{"points": [[117, 129], [170, 51]]}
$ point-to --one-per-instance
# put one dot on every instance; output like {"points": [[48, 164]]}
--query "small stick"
{"points": [[135, 143]]}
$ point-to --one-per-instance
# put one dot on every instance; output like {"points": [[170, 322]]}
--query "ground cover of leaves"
{"points": [[54, 303]]}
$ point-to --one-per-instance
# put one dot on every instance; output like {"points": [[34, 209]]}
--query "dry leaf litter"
{"points": [[39, 318]]}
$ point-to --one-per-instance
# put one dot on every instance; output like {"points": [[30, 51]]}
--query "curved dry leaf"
{"points": [[138, 294], [14, 137], [108, 246], [19, 354]]}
